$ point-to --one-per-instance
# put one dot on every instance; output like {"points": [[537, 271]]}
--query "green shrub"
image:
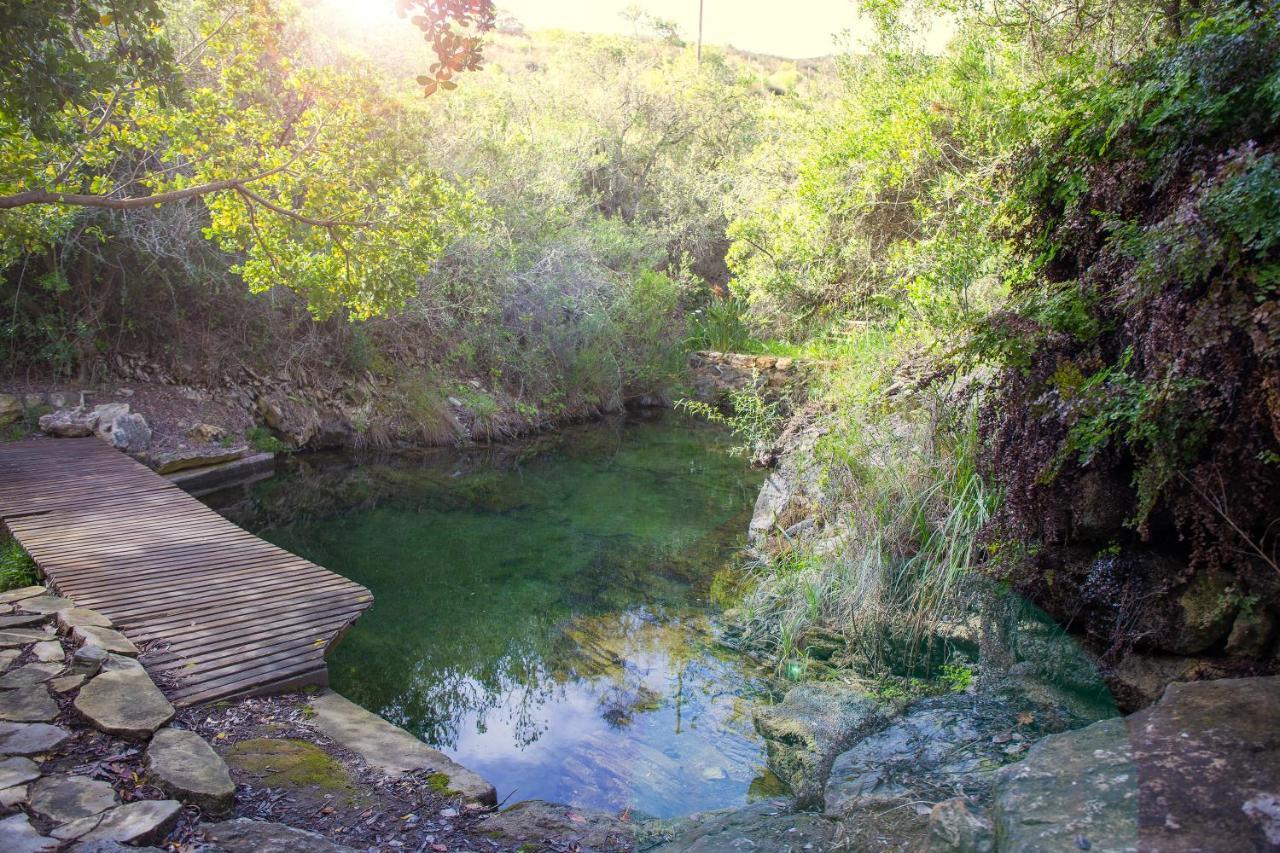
{"points": [[263, 440]]}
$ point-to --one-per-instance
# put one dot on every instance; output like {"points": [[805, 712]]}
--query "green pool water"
{"points": [[541, 610]]}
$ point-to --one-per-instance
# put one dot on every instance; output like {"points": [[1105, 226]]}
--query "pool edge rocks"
{"points": [[393, 750]]}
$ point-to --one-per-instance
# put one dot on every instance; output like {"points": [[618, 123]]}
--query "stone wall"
{"points": [[715, 374]]}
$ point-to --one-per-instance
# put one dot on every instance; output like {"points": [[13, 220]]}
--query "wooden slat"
{"points": [[229, 614]]}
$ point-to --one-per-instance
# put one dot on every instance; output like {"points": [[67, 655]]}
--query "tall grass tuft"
{"points": [[901, 509], [17, 569]]}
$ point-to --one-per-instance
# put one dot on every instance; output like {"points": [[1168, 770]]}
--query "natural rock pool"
{"points": [[541, 610]]}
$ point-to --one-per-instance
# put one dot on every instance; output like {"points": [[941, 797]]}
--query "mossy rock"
{"points": [[290, 763]]}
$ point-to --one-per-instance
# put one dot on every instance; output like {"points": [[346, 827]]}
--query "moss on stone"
{"points": [[439, 783], [289, 763]]}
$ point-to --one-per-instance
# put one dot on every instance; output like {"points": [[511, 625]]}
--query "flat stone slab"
{"points": [[392, 749], [111, 847], [236, 472], [32, 673], [87, 660], [106, 638], [187, 768], [22, 594], [15, 796], [8, 656], [169, 462], [21, 637], [67, 683], [243, 835], [49, 651], [17, 770], [28, 705], [144, 820], [45, 604], [124, 702], [63, 799], [74, 617], [26, 620], [30, 738], [17, 835]]}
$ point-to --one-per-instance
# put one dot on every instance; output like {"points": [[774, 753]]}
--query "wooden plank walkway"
{"points": [[225, 613]]}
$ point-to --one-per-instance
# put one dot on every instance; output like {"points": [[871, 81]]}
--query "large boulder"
{"points": [[69, 423], [1208, 760], [809, 728], [291, 420], [122, 429], [946, 743], [1074, 791], [1195, 769]]}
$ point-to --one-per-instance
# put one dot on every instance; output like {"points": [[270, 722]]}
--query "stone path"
{"points": [[101, 683]]}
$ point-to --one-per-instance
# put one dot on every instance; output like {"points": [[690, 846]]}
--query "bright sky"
{"points": [[795, 29], [798, 28]]}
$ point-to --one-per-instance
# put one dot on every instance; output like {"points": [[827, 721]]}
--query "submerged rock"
{"points": [[536, 823], [812, 724]]}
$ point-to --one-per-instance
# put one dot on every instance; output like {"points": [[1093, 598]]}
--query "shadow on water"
{"points": [[541, 609]]}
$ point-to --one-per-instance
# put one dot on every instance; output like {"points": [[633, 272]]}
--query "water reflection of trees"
{"points": [[637, 517]]}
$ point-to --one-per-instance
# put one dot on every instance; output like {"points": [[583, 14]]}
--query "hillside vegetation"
{"points": [[1042, 264]]}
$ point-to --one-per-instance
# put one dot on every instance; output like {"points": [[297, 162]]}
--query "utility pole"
{"points": [[700, 2]]}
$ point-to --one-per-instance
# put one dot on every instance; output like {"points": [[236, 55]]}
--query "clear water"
{"points": [[541, 610]]}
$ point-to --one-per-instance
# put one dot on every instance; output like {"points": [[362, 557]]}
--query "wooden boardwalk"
{"points": [[222, 612]]}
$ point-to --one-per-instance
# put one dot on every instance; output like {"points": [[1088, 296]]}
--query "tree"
{"points": [[115, 106]]}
